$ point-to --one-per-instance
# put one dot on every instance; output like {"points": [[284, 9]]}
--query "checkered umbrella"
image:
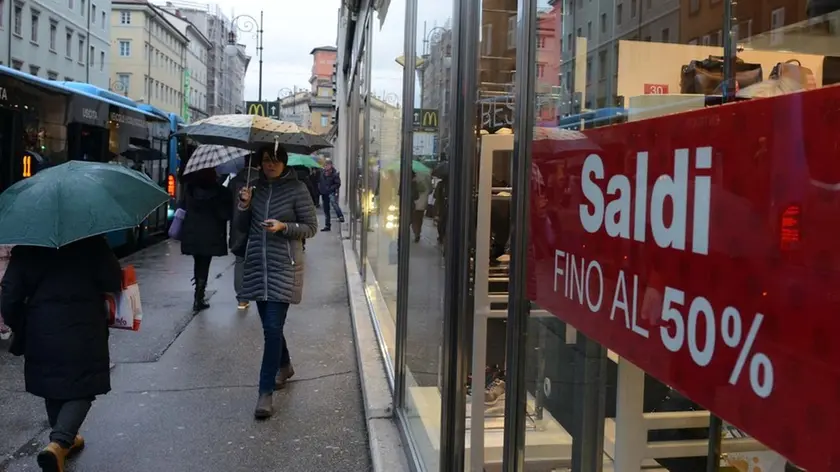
{"points": [[253, 132], [212, 156]]}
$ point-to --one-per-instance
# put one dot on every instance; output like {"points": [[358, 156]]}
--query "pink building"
{"points": [[322, 101], [548, 62]]}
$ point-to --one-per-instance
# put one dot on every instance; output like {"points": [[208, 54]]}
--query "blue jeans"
{"points": [[331, 201], [275, 352]]}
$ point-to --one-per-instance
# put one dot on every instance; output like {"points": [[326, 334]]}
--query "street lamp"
{"points": [[249, 23]]}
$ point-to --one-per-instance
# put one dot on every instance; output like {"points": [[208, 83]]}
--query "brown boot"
{"points": [[285, 374], [51, 458], [265, 407], [78, 445]]}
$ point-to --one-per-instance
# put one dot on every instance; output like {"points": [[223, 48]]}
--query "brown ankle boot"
{"points": [[285, 374], [51, 458], [78, 445]]}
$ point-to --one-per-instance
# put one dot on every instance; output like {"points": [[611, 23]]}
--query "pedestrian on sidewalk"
{"points": [[53, 299], [278, 215], [303, 174], [247, 177], [328, 186], [204, 232], [423, 183]]}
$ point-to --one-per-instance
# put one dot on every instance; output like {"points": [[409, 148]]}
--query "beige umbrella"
{"points": [[253, 132]]}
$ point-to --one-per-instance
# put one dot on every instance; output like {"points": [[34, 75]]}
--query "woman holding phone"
{"points": [[277, 214]]}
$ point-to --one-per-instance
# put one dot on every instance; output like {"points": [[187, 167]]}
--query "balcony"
{"points": [[322, 102]]}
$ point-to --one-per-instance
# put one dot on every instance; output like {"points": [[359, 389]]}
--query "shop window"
{"points": [[18, 27], [53, 35], [511, 32], [618, 13], [125, 17], [34, 26]]}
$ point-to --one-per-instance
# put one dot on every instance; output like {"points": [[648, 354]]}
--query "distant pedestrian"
{"points": [[423, 183], [303, 174], [53, 299], [328, 186], [247, 177], [278, 215], [204, 232]]}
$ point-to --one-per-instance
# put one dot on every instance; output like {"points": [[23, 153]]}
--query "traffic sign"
{"points": [[267, 109]]}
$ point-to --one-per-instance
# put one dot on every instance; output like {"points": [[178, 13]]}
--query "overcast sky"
{"points": [[293, 28]]}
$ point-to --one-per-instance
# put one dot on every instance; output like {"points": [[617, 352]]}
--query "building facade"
{"points": [[295, 107], [149, 55], [195, 73], [321, 104], [225, 74], [67, 40], [645, 282]]}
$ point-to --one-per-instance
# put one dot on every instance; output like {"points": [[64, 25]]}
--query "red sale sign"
{"points": [[705, 248], [656, 89]]}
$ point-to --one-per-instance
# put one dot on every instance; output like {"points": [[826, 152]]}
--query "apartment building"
{"points": [[225, 74], [66, 40], [322, 103], [149, 55], [296, 108], [701, 21], [195, 74]]}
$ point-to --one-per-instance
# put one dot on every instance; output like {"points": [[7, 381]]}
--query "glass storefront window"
{"points": [[384, 141]]}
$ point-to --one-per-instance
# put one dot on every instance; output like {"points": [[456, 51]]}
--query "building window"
{"points": [[777, 20], [603, 23], [93, 12], [602, 65], [718, 38], [53, 35], [69, 44], [588, 70], [325, 121], [579, 33], [633, 7], [619, 9], [735, 30], [34, 70], [540, 42], [84, 13], [2, 13], [589, 30], [693, 6], [101, 60], [81, 49], [16, 64], [125, 48], [52, 75], [18, 28], [125, 17], [103, 19], [666, 35], [706, 40], [540, 71], [569, 42], [511, 32], [124, 80], [487, 39], [91, 56], [36, 20]]}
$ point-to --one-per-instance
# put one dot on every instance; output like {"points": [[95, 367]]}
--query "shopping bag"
{"points": [[124, 309], [177, 222]]}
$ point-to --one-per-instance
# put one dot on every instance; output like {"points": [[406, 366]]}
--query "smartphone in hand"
{"points": [[265, 224]]}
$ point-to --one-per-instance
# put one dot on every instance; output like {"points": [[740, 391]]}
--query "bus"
{"points": [[593, 119]]}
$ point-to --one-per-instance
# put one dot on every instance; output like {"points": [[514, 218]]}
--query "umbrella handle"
{"points": [[276, 144], [248, 178]]}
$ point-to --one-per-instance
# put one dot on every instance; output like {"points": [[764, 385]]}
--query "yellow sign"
{"points": [[170, 185], [256, 109], [27, 166], [430, 119]]}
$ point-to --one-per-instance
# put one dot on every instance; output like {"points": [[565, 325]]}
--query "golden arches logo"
{"points": [[430, 118], [256, 109]]}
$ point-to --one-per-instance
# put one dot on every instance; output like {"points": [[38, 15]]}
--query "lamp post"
{"points": [[249, 24]]}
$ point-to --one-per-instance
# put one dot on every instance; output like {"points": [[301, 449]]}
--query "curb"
{"points": [[386, 449]]}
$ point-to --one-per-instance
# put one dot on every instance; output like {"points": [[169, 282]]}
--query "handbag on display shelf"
{"points": [[794, 70], [705, 76]]}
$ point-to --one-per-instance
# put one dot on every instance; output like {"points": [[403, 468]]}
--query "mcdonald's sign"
{"points": [[256, 108], [425, 119]]}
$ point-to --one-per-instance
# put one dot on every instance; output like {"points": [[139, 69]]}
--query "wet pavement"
{"points": [[184, 387]]}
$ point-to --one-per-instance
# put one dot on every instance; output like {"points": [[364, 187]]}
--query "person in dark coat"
{"points": [[303, 175], [247, 177], [328, 187], [54, 301], [278, 215], [204, 232]]}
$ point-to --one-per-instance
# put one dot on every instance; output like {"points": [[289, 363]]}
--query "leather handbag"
{"points": [[705, 76], [793, 69]]}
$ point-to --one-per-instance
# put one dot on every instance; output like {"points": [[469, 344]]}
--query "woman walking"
{"points": [[278, 215], [53, 299], [204, 232]]}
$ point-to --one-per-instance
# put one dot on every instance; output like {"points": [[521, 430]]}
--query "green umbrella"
{"points": [[416, 166], [75, 200], [302, 160]]}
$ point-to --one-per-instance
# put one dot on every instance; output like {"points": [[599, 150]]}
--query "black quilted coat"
{"points": [[274, 263]]}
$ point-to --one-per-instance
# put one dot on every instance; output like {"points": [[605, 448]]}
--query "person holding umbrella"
{"points": [[278, 215], [53, 292]]}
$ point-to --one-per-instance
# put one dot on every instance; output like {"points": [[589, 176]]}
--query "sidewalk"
{"points": [[184, 388]]}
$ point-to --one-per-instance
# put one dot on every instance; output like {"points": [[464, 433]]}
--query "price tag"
{"points": [[656, 89]]}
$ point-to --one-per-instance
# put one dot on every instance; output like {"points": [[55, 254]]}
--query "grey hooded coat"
{"points": [[274, 262]]}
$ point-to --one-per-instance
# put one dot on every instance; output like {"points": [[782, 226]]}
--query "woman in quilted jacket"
{"points": [[277, 214]]}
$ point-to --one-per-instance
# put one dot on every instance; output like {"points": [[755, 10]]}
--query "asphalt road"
{"points": [[184, 387]]}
